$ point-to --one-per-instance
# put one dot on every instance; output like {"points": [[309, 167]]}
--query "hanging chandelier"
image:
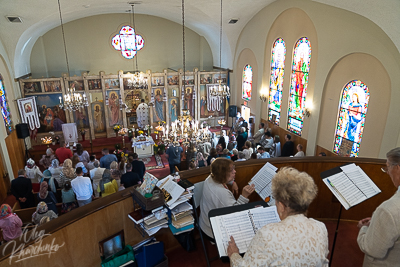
{"points": [[221, 90], [72, 100], [139, 80]]}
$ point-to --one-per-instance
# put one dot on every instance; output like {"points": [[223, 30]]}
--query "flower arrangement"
{"points": [[123, 131], [120, 153], [159, 148], [117, 127], [140, 132]]}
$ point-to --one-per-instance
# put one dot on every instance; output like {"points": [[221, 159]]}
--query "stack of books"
{"points": [[150, 221], [182, 219]]}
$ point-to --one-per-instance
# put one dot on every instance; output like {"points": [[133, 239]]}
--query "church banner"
{"points": [[28, 110]]}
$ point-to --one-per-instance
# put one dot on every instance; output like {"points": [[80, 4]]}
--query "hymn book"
{"points": [[242, 225], [350, 185], [262, 181]]}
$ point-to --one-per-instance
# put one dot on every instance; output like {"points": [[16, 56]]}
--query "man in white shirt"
{"points": [[267, 141], [259, 134], [82, 187]]}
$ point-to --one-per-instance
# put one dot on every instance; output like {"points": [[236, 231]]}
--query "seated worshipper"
{"points": [[83, 155], [300, 152], [82, 187], [138, 166], [63, 152], [68, 198], [107, 158], [248, 150], [45, 161], [216, 193], [191, 153], [55, 171], [10, 223], [267, 141], [96, 175], [42, 211], [253, 155], [287, 149], [67, 173], [322, 154], [122, 165], [21, 188], [241, 156], [44, 220], [192, 166], [90, 165], [262, 154], [259, 134], [213, 155], [173, 154], [241, 139], [107, 185], [275, 151], [201, 161], [221, 141], [52, 183], [379, 235], [47, 197], [130, 178], [235, 153], [225, 154], [294, 241], [32, 171]]}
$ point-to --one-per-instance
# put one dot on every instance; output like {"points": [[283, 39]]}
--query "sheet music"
{"points": [[361, 180], [262, 182], [264, 216], [174, 190]]}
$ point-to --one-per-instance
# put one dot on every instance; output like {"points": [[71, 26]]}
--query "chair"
{"points": [[197, 194]]}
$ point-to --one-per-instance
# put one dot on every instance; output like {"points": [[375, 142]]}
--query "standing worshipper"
{"points": [[138, 166], [21, 188], [55, 171], [107, 185], [63, 152], [82, 154], [276, 148], [173, 154], [82, 187], [142, 113], [287, 149], [107, 158], [130, 178], [68, 198], [96, 175], [42, 211], [47, 197], [241, 139], [67, 173], [32, 171], [10, 223], [259, 134], [300, 152]]}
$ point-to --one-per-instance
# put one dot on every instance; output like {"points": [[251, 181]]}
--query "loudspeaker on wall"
{"points": [[22, 130], [232, 111]]}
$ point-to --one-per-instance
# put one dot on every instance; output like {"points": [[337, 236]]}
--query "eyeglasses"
{"points": [[386, 168]]}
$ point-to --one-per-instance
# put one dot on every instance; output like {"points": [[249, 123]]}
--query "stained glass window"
{"points": [[247, 84], [276, 80], [350, 126], [127, 42], [298, 85], [5, 109]]}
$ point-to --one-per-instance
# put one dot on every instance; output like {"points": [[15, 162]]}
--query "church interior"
{"points": [[323, 71]]}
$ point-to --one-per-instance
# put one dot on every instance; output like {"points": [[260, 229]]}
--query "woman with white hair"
{"points": [[32, 171], [46, 160], [294, 241]]}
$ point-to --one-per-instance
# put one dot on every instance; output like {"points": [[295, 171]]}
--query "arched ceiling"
{"points": [[202, 16]]}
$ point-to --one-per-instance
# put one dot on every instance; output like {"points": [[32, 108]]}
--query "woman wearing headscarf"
{"points": [[45, 161], [32, 171], [53, 184], [68, 198], [83, 155], [68, 173], [107, 185], [48, 197], [42, 211], [10, 223], [55, 171], [201, 161]]}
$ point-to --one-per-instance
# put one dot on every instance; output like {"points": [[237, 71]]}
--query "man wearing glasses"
{"points": [[379, 236]]}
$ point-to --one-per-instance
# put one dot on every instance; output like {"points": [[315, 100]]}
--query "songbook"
{"points": [[350, 185], [148, 184], [174, 190], [242, 225], [262, 181]]}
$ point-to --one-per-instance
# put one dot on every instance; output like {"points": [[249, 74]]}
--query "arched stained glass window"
{"points": [[5, 109], [298, 85], [276, 80], [350, 126], [247, 84]]}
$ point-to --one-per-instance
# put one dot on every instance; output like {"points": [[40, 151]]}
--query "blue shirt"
{"points": [[174, 154], [106, 160], [264, 155]]}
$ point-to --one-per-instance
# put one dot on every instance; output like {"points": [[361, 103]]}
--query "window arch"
{"points": [[298, 85], [350, 124], [5, 109], [247, 83], [278, 55]]}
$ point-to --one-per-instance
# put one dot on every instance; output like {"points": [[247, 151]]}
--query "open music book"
{"points": [[351, 185], [262, 181], [242, 225]]}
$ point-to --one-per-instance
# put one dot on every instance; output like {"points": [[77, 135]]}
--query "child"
{"points": [[68, 198], [10, 223], [90, 165]]}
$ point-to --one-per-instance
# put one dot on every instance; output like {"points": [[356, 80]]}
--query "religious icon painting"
{"points": [[157, 81], [77, 85], [94, 84], [220, 76], [173, 79], [203, 101], [52, 86], [32, 87], [99, 122], [159, 113], [51, 116], [113, 100], [81, 118], [111, 83], [206, 78], [173, 108], [214, 104], [189, 80], [188, 96]]}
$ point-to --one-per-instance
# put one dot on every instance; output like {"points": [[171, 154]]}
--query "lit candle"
{"points": [[60, 99]]}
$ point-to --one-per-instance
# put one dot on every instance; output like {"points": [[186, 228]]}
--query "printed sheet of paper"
{"points": [[262, 181], [361, 180], [173, 189]]}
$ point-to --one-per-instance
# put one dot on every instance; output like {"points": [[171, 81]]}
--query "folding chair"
{"points": [[197, 194]]}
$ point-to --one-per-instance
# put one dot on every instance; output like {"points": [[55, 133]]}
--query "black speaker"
{"points": [[232, 111], [22, 130]]}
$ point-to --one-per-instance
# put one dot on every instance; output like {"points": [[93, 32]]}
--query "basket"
{"points": [[157, 200]]}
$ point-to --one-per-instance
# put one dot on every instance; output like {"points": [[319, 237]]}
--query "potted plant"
{"points": [[116, 129]]}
